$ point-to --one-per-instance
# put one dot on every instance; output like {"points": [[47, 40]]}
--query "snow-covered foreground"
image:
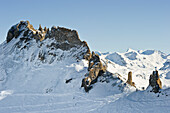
{"points": [[43, 89], [29, 88]]}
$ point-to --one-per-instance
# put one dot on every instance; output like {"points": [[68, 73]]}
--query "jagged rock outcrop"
{"points": [[48, 42], [129, 81], [16, 30], [155, 82], [95, 69]]}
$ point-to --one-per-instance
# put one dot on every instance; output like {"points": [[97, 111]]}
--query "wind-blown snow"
{"points": [[30, 86]]}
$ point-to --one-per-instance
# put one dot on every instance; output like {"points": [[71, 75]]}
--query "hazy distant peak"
{"points": [[131, 50]]}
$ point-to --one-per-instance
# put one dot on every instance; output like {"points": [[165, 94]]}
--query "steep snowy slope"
{"points": [[44, 74]]}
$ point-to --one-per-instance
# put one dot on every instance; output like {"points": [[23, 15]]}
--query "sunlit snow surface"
{"points": [[26, 87]]}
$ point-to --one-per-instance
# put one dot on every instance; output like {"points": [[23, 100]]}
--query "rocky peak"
{"points": [[54, 39], [15, 30], [69, 38]]}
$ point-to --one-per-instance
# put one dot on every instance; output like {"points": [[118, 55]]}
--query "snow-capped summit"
{"points": [[130, 50]]}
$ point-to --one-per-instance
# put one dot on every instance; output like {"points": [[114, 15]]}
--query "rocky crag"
{"points": [[95, 69], [45, 45], [155, 82], [129, 81]]}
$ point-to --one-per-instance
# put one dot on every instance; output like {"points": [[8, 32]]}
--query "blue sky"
{"points": [[106, 25]]}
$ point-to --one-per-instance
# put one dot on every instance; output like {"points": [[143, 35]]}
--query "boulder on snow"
{"points": [[155, 82]]}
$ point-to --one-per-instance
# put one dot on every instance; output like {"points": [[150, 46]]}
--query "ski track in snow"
{"points": [[72, 105]]}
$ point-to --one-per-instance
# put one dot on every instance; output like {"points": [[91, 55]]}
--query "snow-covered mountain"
{"points": [[41, 72], [141, 63]]}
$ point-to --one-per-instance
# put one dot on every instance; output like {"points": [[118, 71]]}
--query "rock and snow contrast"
{"points": [[41, 71]]}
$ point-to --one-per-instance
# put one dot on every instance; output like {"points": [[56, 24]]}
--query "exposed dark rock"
{"points": [[95, 68], [16, 30], [69, 80], [155, 82], [63, 38], [40, 28]]}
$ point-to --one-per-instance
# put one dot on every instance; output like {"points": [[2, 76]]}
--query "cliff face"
{"points": [[57, 43]]}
